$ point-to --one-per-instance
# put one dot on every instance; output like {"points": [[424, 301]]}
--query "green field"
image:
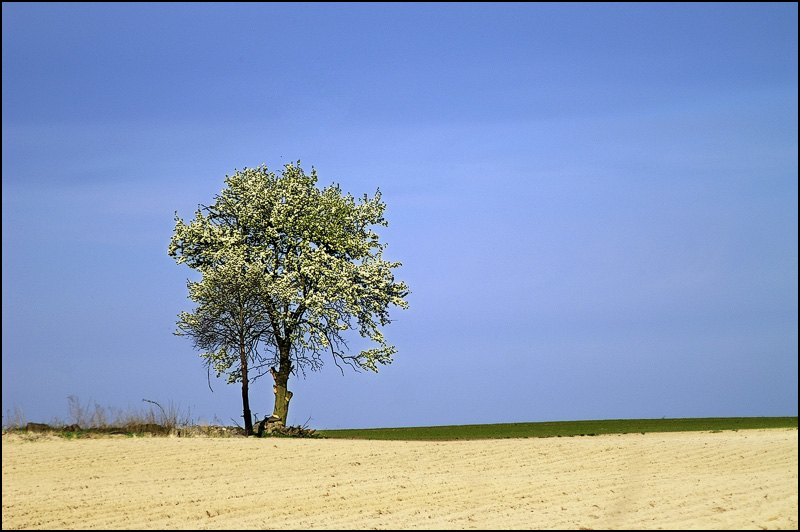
{"points": [[563, 428]]}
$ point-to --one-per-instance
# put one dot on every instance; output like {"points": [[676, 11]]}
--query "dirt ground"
{"points": [[700, 480]]}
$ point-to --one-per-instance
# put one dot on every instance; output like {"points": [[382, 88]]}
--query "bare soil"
{"points": [[689, 480]]}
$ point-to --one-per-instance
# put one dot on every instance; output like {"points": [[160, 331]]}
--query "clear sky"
{"points": [[595, 205]]}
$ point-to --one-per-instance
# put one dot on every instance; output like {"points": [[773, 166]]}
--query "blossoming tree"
{"points": [[287, 269]]}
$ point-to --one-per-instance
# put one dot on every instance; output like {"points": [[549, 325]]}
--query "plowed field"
{"points": [[726, 480]]}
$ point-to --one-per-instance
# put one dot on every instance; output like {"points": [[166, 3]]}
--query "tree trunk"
{"points": [[248, 418], [282, 397], [282, 394]]}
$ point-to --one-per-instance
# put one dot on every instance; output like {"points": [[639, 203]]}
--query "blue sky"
{"points": [[595, 205]]}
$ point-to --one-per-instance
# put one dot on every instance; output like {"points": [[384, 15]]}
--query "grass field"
{"points": [[90, 419], [563, 428]]}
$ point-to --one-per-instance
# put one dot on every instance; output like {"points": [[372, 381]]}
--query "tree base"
{"points": [[274, 426]]}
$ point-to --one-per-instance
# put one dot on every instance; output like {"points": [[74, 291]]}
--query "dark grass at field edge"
{"points": [[563, 428]]}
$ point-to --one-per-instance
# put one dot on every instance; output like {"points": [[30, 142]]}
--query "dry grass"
{"points": [[90, 417]]}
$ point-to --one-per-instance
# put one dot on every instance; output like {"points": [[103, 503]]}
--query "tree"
{"points": [[307, 267], [228, 323]]}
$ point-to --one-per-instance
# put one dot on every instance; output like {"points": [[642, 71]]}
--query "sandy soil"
{"points": [[726, 480]]}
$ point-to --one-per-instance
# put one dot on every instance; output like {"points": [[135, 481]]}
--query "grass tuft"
{"points": [[90, 418]]}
